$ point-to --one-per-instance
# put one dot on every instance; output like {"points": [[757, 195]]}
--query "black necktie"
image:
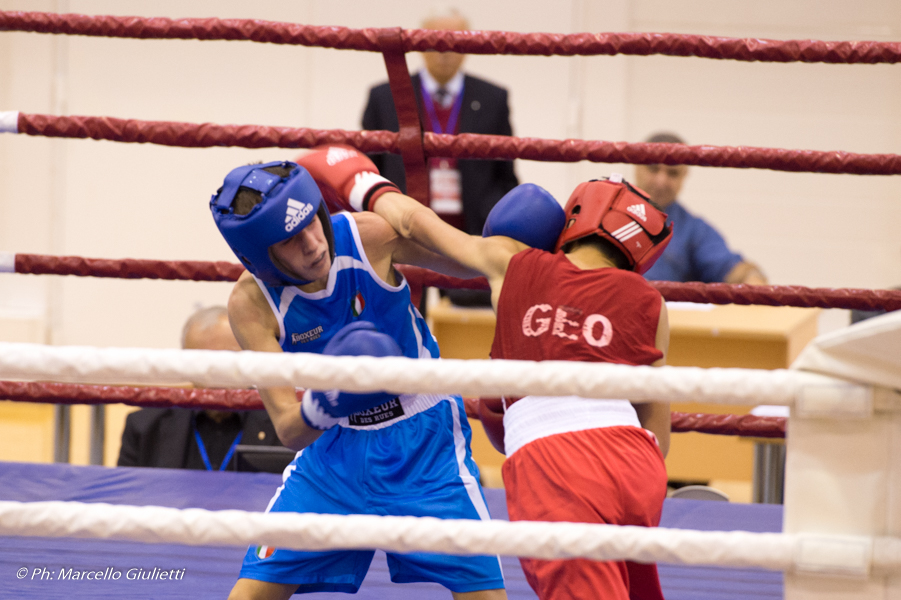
{"points": [[441, 97]]}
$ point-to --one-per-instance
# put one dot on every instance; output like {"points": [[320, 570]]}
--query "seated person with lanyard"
{"points": [[566, 285], [181, 438]]}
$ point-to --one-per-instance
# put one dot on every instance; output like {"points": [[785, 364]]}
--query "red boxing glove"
{"points": [[346, 177]]}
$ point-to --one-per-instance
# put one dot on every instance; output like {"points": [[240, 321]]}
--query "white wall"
{"points": [[104, 199]]}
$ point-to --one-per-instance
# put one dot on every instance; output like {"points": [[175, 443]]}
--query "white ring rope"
{"points": [[7, 259], [153, 524], [468, 377], [9, 121], [846, 555]]}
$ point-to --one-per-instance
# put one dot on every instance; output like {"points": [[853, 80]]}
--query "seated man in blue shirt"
{"points": [[697, 251]]}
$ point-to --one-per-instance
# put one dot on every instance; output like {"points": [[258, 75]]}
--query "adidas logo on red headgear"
{"points": [[336, 155], [638, 211], [627, 232]]}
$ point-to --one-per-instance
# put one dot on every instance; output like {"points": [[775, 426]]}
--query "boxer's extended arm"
{"points": [[384, 248], [349, 178], [528, 216], [489, 256], [256, 329], [655, 416]]}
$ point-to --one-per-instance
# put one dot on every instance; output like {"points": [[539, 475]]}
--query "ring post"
{"points": [[843, 466]]}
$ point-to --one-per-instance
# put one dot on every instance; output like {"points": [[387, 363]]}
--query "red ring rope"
{"points": [[740, 425], [468, 42], [227, 399], [467, 145], [780, 295], [127, 268], [157, 397], [714, 293]]}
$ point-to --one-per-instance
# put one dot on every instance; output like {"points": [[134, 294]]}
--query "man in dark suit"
{"points": [[180, 438], [450, 102], [463, 191]]}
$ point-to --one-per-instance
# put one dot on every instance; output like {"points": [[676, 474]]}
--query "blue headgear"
{"points": [[289, 204]]}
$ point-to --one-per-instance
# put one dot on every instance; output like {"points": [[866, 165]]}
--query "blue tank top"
{"points": [[307, 321]]}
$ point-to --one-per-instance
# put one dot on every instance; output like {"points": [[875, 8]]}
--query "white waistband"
{"points": [[536, 417], [388, 414]]}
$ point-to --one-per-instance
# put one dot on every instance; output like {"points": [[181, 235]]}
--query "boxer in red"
{"points": [[566, 285]]}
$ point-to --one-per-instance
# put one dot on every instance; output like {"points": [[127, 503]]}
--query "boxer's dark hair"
{"points": [[247, 198], [605, 247]]}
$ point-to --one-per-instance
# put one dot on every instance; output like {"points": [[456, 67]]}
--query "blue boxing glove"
{"points": [[528, 214], [323, 409]]}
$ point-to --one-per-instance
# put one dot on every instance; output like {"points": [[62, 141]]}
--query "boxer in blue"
{"points": [[326, 284]]}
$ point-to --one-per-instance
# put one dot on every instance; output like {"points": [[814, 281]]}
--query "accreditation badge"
{"points": [[444, 183]]}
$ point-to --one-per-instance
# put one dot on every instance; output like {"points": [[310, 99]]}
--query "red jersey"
{"points": [[550, 309], [573, 459]]}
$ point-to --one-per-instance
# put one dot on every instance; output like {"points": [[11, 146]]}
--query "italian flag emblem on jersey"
{"points": [[264, 552], [357, 305]]}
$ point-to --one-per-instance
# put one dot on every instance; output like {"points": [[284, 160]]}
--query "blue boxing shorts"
{"points": [[408, 457]]}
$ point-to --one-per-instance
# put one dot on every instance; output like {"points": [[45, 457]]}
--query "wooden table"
{"points": [[751, 337]]}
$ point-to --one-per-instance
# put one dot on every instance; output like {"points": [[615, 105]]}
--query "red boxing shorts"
{"points": [[614, 475]]}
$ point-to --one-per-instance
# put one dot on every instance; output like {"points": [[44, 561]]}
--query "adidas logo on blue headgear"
{"points": [[288, 205], [297, 211]]}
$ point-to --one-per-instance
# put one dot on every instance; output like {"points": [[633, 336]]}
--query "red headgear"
{"points": [[621, 214]]}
